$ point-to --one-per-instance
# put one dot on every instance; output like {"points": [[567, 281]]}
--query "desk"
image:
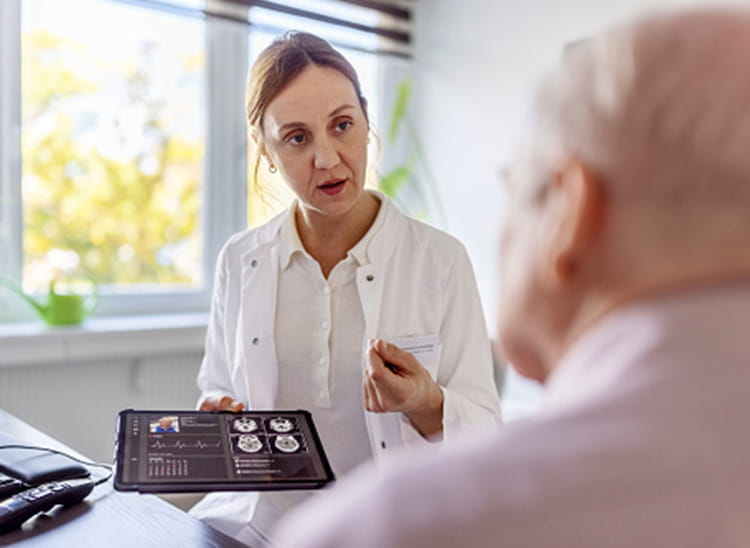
{"points": [[107, 517]]}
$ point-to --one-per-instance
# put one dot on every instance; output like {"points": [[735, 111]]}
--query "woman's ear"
{"points": [[262, 152], [258, 141]]}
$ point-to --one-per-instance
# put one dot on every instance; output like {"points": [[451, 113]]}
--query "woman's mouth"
{"points": [[331, 188]]}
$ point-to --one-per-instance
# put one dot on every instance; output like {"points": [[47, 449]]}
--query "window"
{"points": [[123, 144], [112, 145]]}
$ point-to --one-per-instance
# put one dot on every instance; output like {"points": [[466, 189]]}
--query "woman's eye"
{"points": [[296, 139], [343, 126]]}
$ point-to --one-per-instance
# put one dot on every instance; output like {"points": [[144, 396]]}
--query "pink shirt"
{"points": [[643, 442]]}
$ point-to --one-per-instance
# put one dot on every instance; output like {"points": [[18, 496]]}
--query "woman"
{"points": [[306, 305]]}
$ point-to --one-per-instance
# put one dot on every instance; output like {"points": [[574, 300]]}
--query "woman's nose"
{"points": [[326, 155]]}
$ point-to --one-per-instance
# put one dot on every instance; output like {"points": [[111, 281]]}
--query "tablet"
{"points": [[197, 451]]}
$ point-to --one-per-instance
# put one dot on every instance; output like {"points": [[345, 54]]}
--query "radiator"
{"points": [[78, 403]]}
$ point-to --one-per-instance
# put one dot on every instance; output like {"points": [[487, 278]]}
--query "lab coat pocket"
{"points": [[426, 348]]}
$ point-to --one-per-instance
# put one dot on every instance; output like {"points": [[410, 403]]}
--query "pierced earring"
{"points": [[272, 168]]}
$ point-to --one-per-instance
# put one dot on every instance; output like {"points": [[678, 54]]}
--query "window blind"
{"points": [[375, 26]]}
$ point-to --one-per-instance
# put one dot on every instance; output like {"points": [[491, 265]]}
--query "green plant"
{"points": [[412, 183]]}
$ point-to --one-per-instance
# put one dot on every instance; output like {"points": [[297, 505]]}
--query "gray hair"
{"points": [[661, 107]]}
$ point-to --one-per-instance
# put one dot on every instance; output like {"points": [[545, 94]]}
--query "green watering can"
{"points": [[61, 308]]}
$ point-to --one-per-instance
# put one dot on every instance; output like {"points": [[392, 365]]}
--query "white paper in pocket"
{"points": [[424, 347]]}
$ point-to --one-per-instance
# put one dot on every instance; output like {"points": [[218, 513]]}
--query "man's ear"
{"points": [[579, 208]]}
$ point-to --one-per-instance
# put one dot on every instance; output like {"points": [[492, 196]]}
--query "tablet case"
{"points": [[151, 458], [35, 466]]}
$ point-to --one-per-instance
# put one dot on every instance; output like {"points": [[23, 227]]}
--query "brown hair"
{"points": [[279, 64], [284, 60]]}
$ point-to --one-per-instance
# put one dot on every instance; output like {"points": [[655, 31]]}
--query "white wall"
{"points": [[78, 403], [476, 63]]}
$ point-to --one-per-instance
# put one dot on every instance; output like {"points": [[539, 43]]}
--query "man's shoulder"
{"points": [[483, 492], [568, 476]]}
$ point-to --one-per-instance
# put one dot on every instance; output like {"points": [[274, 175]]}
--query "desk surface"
{"points": [[107, 517]]}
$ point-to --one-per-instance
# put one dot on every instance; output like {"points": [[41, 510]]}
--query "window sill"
{"points": [[101, 338]]}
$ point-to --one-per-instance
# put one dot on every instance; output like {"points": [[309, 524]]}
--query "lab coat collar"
{"points": [[360, 251], [289, 240], [291, 243], [387, 228]]}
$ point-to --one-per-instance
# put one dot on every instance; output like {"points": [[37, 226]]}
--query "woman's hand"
{"points": [[225, 403], [395, 381]]}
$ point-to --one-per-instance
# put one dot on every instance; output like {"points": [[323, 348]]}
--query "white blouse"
{"points": [[319, 329]]}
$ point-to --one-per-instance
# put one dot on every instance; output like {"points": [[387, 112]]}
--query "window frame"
{"points": [[223, 206]]}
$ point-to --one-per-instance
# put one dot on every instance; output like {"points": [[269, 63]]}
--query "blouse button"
{"points": [[382, 445], [254, 263], [256, 341], [370, 277]]}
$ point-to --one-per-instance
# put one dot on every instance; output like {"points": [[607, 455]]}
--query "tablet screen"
{"points": [[181, 451]]}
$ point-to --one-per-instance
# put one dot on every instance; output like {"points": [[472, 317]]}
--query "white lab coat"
{"points": [[417, 281]]}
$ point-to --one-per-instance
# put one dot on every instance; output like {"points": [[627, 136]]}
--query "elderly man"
{"points": [[626, 289]]}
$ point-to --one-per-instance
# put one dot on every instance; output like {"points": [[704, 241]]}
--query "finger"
{"points": [[230, 404], [382, 366], [392, 355], [376, 398], [388, 391], [378, 370], [209, 404], [373, 403], [365, 396], [226, 403]]}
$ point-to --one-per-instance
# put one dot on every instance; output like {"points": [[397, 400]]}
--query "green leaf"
{"points": [[391, 182], [403, 94]]}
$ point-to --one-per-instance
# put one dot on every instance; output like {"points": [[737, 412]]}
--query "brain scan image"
{"points": [[250, 443], [245, 424], [286, 443], [280, 424]]}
